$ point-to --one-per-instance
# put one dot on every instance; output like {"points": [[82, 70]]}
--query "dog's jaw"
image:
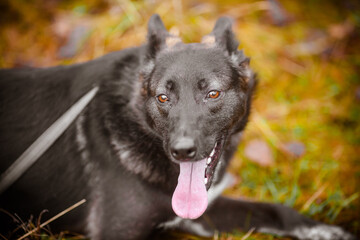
{"points": [[211, 162]]}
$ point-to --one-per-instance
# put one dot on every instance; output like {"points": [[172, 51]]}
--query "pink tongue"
{"points": [[190, 197]]}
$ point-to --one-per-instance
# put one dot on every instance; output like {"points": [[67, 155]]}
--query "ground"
{"points": [[302, 146]]}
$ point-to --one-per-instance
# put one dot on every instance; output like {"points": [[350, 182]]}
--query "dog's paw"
{"points": [[322, 232], [317, 232]]}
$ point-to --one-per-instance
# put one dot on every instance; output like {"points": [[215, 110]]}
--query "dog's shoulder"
{"points": [[31, 99]]}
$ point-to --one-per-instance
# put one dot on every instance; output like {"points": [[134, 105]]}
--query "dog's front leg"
{"points": [[226, 215]]}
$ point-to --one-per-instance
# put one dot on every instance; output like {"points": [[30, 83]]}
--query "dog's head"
{"points": [[196, 95]]}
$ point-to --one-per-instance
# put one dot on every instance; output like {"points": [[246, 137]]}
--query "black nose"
{"points": [[183, 149]]}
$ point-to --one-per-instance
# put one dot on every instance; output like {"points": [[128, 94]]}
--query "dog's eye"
{"points": [[213, 94], [162, 98]]}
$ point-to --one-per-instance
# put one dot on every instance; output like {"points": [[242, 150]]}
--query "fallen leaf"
{"points": [[297, 149], [357, 94], [277, 13], [342, 30], [74, 42], [258, 151]]}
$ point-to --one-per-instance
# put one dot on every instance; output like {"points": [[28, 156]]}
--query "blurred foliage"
{"points": [[307, 56]]}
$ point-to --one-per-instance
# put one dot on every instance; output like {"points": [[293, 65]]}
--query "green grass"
{"points": [[304, 96]]}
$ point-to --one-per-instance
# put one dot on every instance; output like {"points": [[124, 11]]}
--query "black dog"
{"points": [[153, 143]]}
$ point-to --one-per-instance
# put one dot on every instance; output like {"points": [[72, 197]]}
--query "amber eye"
{"points": [[213, 94], [162, 98]]}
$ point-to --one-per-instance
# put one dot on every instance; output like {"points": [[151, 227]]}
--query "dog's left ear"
{"points": [[222, 36]]}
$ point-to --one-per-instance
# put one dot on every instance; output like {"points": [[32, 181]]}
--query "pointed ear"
{"points": [[157, 34], [222, 36], [158, 37], [243, 62]]}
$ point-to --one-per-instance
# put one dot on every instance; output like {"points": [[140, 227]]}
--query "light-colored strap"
{"points": [[44, 142]]}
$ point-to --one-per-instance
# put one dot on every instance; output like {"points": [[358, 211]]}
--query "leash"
{"points": [[44, 142]]}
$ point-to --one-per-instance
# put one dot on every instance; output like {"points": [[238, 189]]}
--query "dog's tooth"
{"points": [[208, 160], [205, 180], [212, 152]]}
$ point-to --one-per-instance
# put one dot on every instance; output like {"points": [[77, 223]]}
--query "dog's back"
{"points": [[31, 99]]}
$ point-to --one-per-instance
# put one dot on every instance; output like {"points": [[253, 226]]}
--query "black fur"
{"points": [[119, 154]]}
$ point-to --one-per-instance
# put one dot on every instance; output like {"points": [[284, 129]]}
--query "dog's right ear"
{"points": [[158, 37], [157, 34]]}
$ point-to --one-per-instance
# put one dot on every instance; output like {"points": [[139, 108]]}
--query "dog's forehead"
{"points": [[192, 64], [194, 55]]}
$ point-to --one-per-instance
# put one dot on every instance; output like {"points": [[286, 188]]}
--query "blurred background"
{"points": [[302, 145]]}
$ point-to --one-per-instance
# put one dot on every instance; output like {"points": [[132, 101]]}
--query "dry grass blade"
{"points": [[263, 126], [1, 236], [314, 197], [54, 218], [248, 234]]}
